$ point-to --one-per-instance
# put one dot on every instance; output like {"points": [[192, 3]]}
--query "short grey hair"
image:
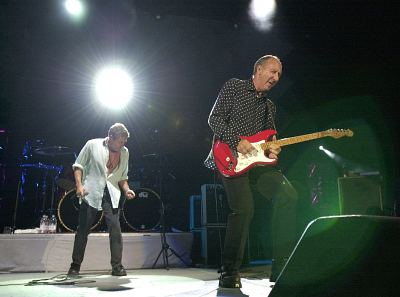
{"points": [[262, 60], [118, 130]]}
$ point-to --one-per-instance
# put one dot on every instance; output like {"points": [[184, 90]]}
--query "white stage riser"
{"points": [[52, 252]]}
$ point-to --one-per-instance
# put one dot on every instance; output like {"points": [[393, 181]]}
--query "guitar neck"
{"points": [[293, 140]]}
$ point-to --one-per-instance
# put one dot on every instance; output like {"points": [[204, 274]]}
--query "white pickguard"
{"points": [[257, 156]]}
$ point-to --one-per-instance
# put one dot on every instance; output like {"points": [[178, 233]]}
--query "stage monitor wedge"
{"points": [[340, 256]]}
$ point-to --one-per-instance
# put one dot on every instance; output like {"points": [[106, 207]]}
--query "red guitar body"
{"points": [[229, 165]]}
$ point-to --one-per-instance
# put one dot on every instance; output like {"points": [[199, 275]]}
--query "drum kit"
{"points": [[45, 172], [141, 214], [47, 187]]}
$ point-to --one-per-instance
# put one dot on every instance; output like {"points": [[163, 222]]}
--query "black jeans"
{"points": [[271, 184], [87, 216]]}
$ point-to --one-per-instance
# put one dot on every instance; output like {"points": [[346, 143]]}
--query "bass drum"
{"points": [[68, 212], [143, 213]]}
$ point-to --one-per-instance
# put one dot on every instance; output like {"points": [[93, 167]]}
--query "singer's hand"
{"points": [[81, 192], [129, 194]]}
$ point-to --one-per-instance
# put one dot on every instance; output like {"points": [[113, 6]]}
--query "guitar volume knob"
{"points": [[227, 159]]}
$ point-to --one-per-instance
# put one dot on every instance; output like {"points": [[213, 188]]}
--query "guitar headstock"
{"points": [[337, 133]]}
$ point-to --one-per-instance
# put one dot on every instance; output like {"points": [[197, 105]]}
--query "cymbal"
{"points": [[56, 150], [41, 166]]}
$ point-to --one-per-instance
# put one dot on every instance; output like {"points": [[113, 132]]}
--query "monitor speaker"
{"points": [[354, 255]]}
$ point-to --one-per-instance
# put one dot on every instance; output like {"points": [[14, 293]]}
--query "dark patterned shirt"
{"points": [[239, 112]]}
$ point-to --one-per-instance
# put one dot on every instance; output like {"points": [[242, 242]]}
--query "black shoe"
{"points": [[118, 271], [229, 280], [73, 272]]}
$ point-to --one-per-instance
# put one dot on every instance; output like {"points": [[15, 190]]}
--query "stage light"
{"points": [[113, 87], [328, 152], [261, 13], [75, 8]]}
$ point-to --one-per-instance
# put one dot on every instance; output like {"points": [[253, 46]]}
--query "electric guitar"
{"points": [[232, 164]]}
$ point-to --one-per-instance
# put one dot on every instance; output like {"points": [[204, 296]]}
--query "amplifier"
{"points": [[214, 205], [208, 244], [360, 195], [195, 212]]}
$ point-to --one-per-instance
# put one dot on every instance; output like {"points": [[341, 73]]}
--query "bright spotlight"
{"points": [[261, 13], [327, 152], [75, 8], [113, 87]]}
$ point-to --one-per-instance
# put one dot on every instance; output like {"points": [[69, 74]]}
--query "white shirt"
{"points": [[92, 160]]}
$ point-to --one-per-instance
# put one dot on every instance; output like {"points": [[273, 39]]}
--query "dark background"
{"points": [[340, 71]]}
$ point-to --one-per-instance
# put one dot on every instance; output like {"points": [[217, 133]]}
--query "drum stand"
{"points": [[165, 248]]}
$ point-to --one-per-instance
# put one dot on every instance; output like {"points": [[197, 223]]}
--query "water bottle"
{"points": [[53, 224], [44, 223]]}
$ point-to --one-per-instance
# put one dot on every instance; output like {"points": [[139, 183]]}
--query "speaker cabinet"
{"points": [[214, 205], [360, 195], [195, 212], [212, 245], [208, 245], [351, 255]]}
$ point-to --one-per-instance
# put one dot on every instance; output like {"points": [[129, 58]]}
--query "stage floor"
{"points": [[177, 282], [35, 265]]}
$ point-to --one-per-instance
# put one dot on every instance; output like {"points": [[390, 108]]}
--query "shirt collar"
{"points": [[251, 88], [106, 146]]}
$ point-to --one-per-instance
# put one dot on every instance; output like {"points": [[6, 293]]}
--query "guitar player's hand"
{"points": [[273, 150], [245, 147]]}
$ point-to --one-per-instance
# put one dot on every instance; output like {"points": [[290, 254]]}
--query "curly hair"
{"points": [[118, 130]]}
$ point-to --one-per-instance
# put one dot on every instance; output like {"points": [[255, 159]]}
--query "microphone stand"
{"points": [[165, 248]]}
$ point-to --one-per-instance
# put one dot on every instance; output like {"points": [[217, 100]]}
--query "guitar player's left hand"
{"points": [[274, 150]]}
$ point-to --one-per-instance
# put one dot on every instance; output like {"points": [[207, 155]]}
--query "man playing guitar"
{"points": [[242, 110]]}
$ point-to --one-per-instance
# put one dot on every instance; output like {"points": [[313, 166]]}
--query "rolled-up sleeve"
{"points": [[83, 157], [125, 159]]}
